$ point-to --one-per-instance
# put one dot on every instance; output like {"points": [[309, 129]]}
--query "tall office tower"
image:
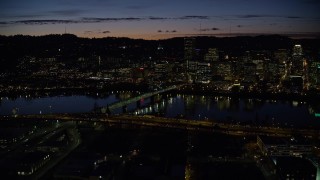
{"points": [[314, 74], [189, 50], [258, 59], [297, 50], [203, 74], [297, 61], [249, 70], [159, 55], [212, 55], [281, 55]]}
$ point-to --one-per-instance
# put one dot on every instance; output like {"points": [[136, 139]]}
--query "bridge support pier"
{"points": [[108, 112], [124, 109], [152, 99]]}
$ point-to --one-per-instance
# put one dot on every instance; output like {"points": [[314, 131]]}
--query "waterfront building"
{"points": [[276, 146], [296, 84]]}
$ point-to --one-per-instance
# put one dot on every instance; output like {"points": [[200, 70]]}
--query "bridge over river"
{"points": [[124, 103]]}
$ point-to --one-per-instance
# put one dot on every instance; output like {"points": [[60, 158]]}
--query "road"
{"points": [[161, 122], [42, 132], [75, 142], [31, 142]]}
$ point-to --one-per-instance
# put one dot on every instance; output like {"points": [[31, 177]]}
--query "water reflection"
{"points": [[55, 104], [213, 108], [235, 110]]}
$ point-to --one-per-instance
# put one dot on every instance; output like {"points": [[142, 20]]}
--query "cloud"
{"points": [[96, 20], [3, 24], [96, 32], [167, 31], [62, 21], [31, 21], [194, 17], [247, 16], [41, 22], [178, 18], [204, 29], [157, 18], [209, 29]]}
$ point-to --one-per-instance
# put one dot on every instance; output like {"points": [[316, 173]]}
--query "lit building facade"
{"points": [[212, 55], [297, 68], [314, 74], [249, 72], [223, 69], [189, 50], [272, 71], [204, 73], [281, 55]]}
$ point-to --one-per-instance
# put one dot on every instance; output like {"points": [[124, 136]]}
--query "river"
{"points": [[211, 108]]}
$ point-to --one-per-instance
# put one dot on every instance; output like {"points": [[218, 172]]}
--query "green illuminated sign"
{"points": [[317, 114]]}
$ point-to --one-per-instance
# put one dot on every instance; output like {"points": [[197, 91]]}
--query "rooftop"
{"points": [[269, 140]]}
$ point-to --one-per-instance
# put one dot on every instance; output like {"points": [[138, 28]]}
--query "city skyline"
{"points": [[160, 20]]}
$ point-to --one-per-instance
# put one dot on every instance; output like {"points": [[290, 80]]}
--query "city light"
{"points": [[90, 108]]}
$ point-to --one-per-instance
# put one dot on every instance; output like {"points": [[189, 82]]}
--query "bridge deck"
{"points": [[135, 99]]}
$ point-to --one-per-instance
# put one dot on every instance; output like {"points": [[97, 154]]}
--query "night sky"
{"points": [[150, 19]]}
